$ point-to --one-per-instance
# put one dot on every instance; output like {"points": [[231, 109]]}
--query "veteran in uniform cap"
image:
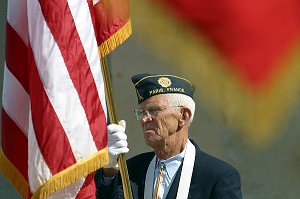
{"points": [[177, 167]]}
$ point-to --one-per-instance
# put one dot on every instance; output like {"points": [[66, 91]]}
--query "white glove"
{"points": [[117, 143]]}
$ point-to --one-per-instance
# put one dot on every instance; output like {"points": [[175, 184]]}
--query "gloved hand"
{"points": [[117, 143]]}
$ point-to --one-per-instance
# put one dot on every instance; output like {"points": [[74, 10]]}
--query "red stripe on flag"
{"points": [[88, 189], [16, 56], [91, 9], [14, 144], [51, 137], [65, 34]]}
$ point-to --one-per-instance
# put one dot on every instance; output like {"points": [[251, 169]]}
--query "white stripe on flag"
{"points": [[58, 85], [95, 1], [16, 17], [83, 23], [15, 100], [38, 171], [62, 95], [69, 192]]}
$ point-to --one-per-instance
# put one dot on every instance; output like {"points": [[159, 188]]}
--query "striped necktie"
{"points": [[162, 167]]}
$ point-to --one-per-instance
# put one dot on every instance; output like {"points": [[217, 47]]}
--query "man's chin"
{"points": [[149, 142]]}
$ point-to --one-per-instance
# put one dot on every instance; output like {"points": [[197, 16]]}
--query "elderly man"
{"points": [[177, 167]]}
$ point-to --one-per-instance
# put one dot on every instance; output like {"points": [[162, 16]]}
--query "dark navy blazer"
{"points": [[212, 179]]}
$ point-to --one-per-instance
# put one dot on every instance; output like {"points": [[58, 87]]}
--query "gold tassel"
{"points": [[13, 175], [71, 174], [116, 39]]}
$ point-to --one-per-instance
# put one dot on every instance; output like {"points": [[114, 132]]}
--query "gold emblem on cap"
{"points": [[164, 82]]}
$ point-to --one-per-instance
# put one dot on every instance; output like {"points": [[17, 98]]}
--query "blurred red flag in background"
{"points": [[241, 56]]}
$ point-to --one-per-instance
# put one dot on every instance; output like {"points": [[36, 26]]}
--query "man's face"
{"points": [[159, 121]]}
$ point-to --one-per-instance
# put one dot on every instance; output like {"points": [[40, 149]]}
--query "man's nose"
{"points": [[146, 116]]}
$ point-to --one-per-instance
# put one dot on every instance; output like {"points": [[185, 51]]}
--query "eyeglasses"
{"points": [[151, 111]]}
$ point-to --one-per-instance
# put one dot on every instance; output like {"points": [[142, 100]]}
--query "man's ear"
{"points": [[185, 116]]}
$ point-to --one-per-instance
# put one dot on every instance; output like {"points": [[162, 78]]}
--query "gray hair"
{"points": [[176, 99]]}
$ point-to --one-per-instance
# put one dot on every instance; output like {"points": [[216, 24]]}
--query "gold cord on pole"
{"points": [[112, 111]]}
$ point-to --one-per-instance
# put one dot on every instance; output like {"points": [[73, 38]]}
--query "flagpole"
{"points": [[112, 110]]}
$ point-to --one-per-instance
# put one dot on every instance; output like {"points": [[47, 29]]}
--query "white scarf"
{"points": [[185, 180]]}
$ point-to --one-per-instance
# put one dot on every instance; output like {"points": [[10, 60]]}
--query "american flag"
{"points": [[53, 105]]}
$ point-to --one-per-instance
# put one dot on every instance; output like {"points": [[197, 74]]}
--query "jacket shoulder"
{"points": [[137, 166], [214, 178], [210, 165]]}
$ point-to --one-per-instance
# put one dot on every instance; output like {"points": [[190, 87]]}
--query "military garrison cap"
{"points": [[148, 85]]}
